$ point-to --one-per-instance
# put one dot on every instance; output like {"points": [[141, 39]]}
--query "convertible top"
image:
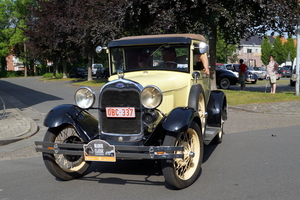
{"points": [[156, 39]]}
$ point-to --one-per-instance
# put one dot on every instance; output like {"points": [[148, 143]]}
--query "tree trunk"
{"points": [[25, 61], [65, 68], [213, 56], [90, 68]]}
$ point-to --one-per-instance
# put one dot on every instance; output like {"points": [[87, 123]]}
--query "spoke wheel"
{"points": [[64, 167], [181, 173]]}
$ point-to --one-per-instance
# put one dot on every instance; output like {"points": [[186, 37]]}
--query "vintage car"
{"points": [[163, 110], [225, 78]]}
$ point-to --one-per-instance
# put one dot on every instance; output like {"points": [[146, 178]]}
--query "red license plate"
{"points": [[120, 112]]}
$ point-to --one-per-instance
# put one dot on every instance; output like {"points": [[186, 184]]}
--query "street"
{"points": [[258, 159]]}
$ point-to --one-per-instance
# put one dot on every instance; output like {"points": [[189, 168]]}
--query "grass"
{"points": [[237, 97], [246, 97], [234, 97]]}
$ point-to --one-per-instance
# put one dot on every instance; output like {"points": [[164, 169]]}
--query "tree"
{"points": [[290, 48], [266, 49], [234, 19], [278, 51], [14, 15]]}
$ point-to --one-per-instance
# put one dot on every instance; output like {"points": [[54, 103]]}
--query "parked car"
{"points": [[102, 72], [262, 71], [78, 73], [161, 113], [293, 78], [260, 74], [250, 76], [95, 67], [285, 71], [220, 66], [225, 78]]}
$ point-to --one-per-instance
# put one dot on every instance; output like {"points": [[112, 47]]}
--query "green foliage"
{"points": [[290, 48], [278, 50], [9, 74], [266, 50], [50, 75]]}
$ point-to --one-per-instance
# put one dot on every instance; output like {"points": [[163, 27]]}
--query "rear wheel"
{"points": [[64, 167], [180, 173]]}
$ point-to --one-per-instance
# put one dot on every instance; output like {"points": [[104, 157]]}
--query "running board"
{"points": [[210, 133]]}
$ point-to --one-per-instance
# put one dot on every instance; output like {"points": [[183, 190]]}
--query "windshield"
{"points": [[154, 57]]}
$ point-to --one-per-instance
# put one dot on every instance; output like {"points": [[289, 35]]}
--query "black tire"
{"points": [[253, 82], [224, 83], [292, 83], [181, 173], [64, 167], [219, 137]]}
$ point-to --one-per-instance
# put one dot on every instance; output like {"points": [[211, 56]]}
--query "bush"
{"points": [[8, 74], [50, 75]]}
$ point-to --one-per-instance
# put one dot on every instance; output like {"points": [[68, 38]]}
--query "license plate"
{"points": [[120, 112]]}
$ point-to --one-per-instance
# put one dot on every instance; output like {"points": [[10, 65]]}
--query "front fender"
{"points": [[83, 122], [216, 108], [179, 119]]}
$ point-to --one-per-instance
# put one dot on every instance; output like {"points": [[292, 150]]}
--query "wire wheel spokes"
{"points": [[187, 166], [68, 162]]}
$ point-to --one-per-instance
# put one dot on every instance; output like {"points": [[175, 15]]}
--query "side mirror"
{"points": [[202, 47]]}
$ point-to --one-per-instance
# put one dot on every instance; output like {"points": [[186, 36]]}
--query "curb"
{"points": [[32, 131]]}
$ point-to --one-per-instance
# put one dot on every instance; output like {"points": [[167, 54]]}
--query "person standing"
{"points": [[242, 73], [272, 68]]}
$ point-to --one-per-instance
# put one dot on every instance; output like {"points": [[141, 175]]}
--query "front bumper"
{"points": [[122, 152]]}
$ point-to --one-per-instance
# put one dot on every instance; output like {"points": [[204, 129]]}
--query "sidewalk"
{"points": [[17, 124]]}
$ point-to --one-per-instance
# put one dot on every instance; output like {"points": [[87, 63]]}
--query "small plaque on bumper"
{"points": [[99, 150]]}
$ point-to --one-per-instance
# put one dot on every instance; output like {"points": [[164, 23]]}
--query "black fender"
{"points": [[216, 108], [195, 91], [179, 119], [85, 124]]}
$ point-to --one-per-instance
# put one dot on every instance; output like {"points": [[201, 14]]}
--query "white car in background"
{"points": [[262, 73]]}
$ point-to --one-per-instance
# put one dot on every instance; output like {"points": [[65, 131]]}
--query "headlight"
{"points": [[84, 97], [151, 97]]}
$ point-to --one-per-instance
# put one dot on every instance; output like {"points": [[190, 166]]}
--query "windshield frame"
{"points": [[125, 58]]}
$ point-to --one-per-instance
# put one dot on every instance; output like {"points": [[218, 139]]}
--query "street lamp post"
{"points": [[298, 60]]}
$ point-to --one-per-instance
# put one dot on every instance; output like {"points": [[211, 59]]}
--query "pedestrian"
{"points": [[272, 68], [242, 74]]}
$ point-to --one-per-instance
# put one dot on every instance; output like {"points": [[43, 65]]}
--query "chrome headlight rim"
{"points": [[148, 91], [84, 97]]}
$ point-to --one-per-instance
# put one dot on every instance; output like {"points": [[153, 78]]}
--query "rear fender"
{"points": [[85, 124], [179, 119], [216, 108]]}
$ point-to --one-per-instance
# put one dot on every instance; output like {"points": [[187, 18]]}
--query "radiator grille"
{"points": [[124, 97]]}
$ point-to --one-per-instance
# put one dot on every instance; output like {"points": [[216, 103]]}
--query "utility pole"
{"points": [[298, 59]]}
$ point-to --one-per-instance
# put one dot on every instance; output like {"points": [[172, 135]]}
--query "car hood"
{"points": [[164, 80]]}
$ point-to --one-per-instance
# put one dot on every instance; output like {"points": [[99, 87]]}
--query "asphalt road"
{"points": [[258, 159]]}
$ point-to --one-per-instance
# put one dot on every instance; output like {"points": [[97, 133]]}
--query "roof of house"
{"points": [[255, 40]]}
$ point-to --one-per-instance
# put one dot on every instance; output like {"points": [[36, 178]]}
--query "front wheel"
{"points": [[64, 167], [181, 173]]}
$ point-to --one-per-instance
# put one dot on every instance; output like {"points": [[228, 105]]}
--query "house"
{"points": [[250, 50]]}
